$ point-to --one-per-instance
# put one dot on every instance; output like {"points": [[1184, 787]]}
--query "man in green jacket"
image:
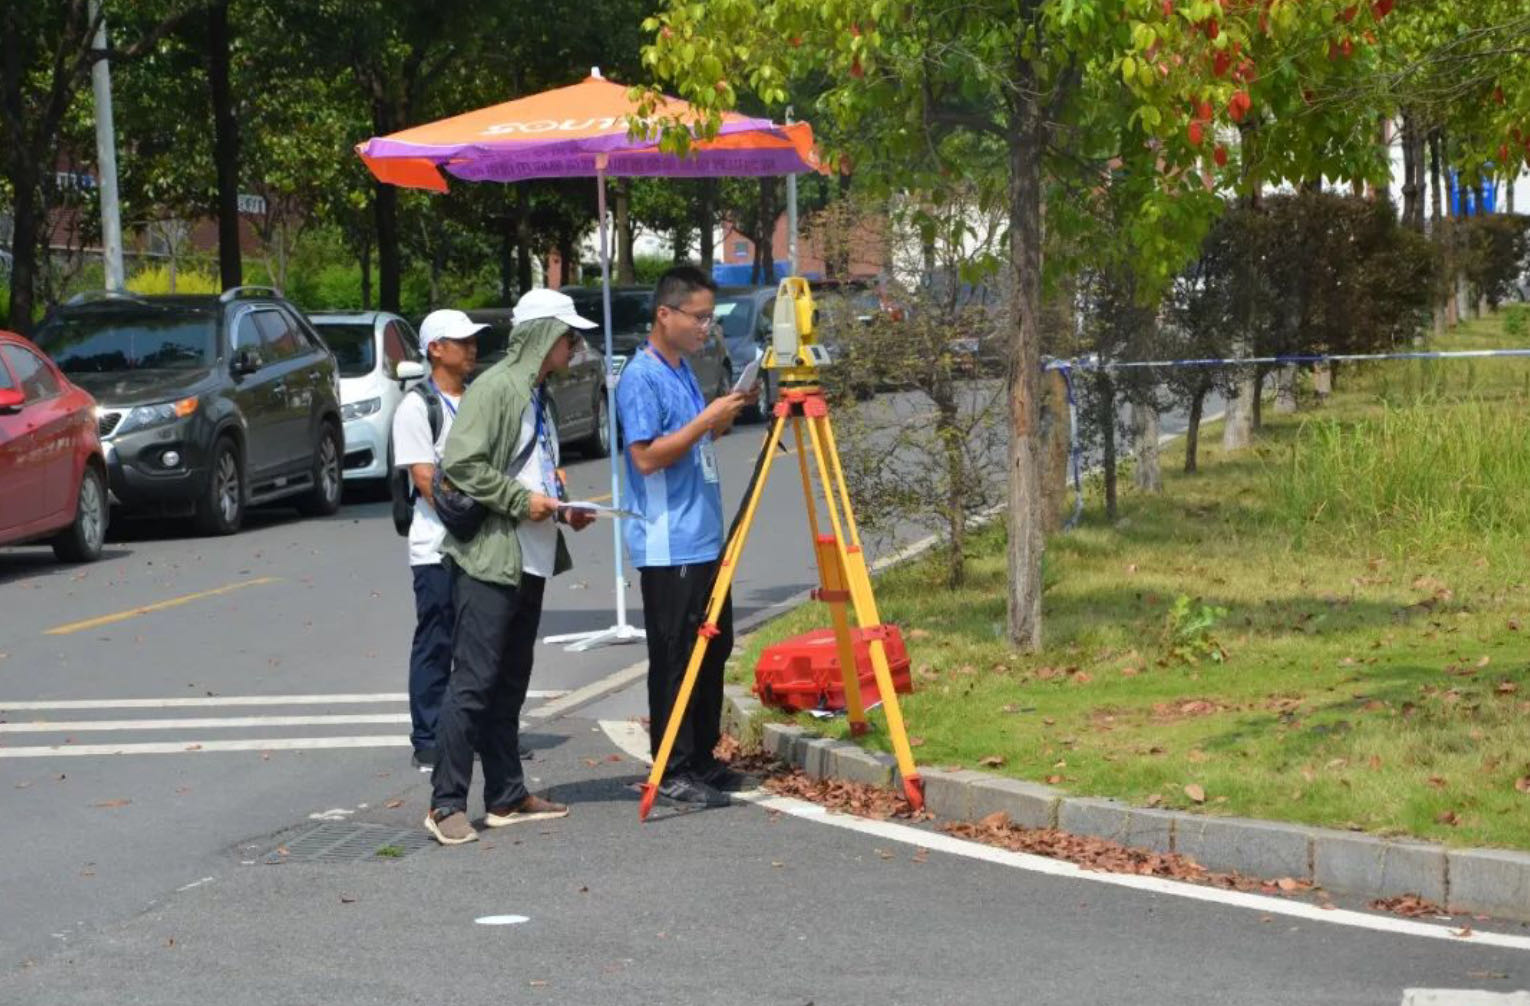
{"points": [[499, 575]]}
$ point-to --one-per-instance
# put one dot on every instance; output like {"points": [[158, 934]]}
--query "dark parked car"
{"points": [[52, 472], [578, 395], [745, 314], [207, 404], [631, 321]]}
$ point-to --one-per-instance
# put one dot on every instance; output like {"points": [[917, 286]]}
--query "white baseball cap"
{"points": [[544, 303], [446, 324]]}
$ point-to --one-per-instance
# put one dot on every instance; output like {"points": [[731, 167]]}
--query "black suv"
{"points": [[206, 404]]}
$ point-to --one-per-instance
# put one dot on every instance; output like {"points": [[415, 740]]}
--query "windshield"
{"points": [[631, 318], [352, 344], [102, 342], [735, 314]]}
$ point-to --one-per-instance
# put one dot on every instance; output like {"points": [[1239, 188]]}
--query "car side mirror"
{"points": [[246, 362], [11, 401], [408, 370]]}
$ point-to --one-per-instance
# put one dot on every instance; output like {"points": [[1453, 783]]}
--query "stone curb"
{"points": [[1491, 881]]}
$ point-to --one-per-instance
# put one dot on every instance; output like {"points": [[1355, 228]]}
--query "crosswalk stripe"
{"points": [[1463, 997], [229, 700], [201, 723], [203, 747]]}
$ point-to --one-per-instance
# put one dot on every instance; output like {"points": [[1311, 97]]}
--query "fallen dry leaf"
{"points": [[991, 761], [1522, 784], [1195, 793], [1449, 817], [1286, 884], [120, 802], [1436, 781], [1410, 905], [394, 804], [1155, 799]]}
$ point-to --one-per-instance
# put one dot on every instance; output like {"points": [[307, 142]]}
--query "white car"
{"points": [[379, 358]]}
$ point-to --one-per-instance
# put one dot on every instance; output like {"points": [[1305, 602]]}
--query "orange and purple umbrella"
{"points": [[563, 133]]}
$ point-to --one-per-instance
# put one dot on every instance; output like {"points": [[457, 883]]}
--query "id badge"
{"points": [[708, 453]]}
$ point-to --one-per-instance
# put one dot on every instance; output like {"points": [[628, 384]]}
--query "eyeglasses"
{"points": [[704, 318]]}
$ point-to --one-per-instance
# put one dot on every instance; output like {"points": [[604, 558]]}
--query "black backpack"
{"points": [[400, 481]]}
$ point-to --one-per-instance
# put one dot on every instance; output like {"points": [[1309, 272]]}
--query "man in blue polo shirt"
{"points": [[672, 481]]}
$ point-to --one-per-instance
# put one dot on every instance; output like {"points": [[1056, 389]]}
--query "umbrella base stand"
{"points": [[617, 634]]}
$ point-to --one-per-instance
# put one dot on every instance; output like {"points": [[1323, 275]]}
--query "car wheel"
{"points": [[598, 443], [328, 481], [81, 541], [221, 509]]}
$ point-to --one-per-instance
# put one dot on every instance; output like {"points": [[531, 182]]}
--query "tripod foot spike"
{"points": [[649, 792], [913, 788], [859, 729]]}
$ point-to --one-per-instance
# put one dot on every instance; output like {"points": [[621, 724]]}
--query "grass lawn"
{"points": [[1332, 627]]}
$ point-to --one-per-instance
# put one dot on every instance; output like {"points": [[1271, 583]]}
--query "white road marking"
{"points": [[625, 735], [1463, 997], [203, 747], [230, 700], [591, 691], [194, 883], [333, 814], [501, 920], [204, 723]]}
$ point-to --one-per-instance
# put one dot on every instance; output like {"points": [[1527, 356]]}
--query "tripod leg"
{"points": [[864, 601], [831, 582], [720, 587]]}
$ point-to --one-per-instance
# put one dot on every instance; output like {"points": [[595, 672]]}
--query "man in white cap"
{"points": [[503, 453], [449, 341]]}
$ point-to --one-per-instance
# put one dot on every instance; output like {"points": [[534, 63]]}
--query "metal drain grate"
{"points": [[344, 842]]}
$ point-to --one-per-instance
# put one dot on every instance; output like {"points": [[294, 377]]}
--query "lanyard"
{"points": [[549, 473], [689, 385], [442, 395]]}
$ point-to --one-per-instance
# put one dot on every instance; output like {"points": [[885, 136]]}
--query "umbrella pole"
{"points": [[621, 632]]}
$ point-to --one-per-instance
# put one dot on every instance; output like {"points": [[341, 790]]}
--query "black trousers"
{"points": [[496, 634], [674, 605]]}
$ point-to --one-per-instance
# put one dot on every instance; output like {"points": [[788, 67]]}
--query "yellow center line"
{"points": [[122, 616]]}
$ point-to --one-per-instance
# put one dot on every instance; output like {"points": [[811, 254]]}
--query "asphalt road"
{"points": [[187, 868]]}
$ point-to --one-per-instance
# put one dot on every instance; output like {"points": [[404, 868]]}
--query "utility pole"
{"points": [[106, 155], [791, 216]]}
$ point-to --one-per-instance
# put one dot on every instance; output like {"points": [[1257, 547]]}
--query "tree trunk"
{"points": [[507, 262], [1412, 215], [1256, 404], [1105, 390], [706, 222], [366, 274], [1238, 428], [1147, 475], [1285, 390], [1193, 428], [523, 276], [1058, 431], [1322, 381], [764, 242], [385, 209], [626, 270], [25, 238], [1027, 140], [949, 431], [225, 144]]}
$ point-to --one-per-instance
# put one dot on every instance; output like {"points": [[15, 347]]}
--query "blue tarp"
{"points": [[741, 274]]}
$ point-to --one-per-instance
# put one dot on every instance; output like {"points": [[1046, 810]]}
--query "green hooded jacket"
{"points": [[481, 446]]}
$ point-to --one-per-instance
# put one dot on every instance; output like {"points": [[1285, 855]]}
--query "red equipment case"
{"points": [[803, 673]]}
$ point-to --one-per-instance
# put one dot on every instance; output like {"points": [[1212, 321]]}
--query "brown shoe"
{"points": [[450, 827], [532, 808]]}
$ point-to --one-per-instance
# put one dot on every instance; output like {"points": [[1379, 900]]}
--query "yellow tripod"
{"points": [[842, 574]]}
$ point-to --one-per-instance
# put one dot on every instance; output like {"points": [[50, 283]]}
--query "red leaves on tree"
{"points": [[1238, 107], [856, 70], [1221, 62], [1195, 134], [1381, 8], [1220, 156], [1348, 14], [1168, 8]]}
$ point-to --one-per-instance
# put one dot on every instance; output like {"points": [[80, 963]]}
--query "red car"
{"points": [[52, 472]]}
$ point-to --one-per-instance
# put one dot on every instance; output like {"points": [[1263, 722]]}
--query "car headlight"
{"points": [[357, 410], [143, 417]]}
